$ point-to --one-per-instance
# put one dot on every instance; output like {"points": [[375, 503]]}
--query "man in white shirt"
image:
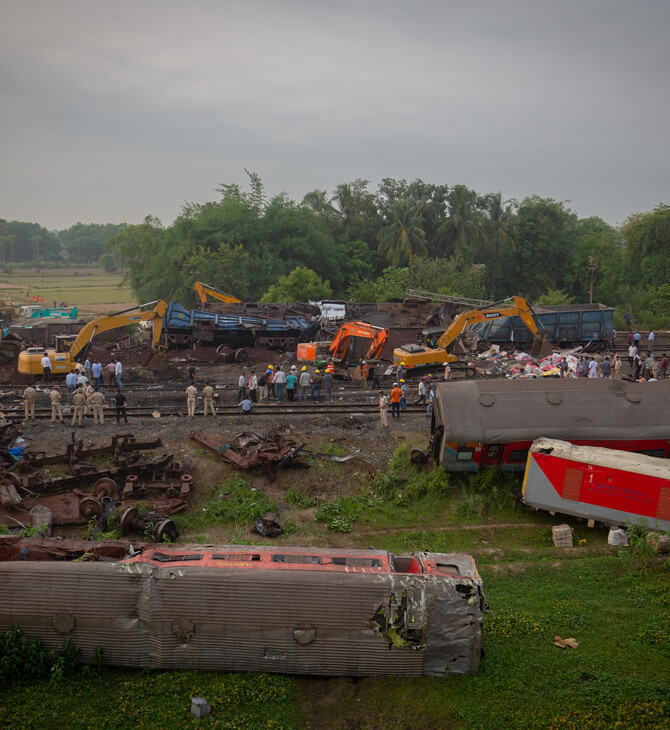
{"points": [[118, 370], [46, 368]]}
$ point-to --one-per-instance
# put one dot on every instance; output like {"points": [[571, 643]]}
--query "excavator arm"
{"points": [[340, 344], [519, 307], [99, 325], [202, 290]]}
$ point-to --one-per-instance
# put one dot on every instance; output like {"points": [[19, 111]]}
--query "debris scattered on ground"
{"points": [[566, 643], [562, 535]]}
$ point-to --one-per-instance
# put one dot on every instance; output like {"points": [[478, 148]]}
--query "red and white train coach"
{"points": [[478, 424]]}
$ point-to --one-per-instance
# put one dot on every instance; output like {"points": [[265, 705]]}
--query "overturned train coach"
{"points": [[248, 608], [480, 424], [607, 485]]}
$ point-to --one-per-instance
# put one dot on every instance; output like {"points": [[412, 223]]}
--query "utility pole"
{"points": [[592, 271]]}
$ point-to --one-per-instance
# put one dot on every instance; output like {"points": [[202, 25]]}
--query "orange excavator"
{"points": [[433, 349], [353, 342], [202, 290]]}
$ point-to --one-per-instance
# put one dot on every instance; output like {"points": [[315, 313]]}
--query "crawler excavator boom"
{"points": [[68, 352], [354, 341], [202, 290], [428, 354]]}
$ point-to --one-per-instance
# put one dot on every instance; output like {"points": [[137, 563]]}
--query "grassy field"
{"points": [[614, 601], [90, 289]]}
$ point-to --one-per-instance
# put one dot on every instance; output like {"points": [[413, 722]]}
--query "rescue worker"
{"points": [[383, 408], [191, 396], [365, 371], [271, 382], [403, 398], [29, 395], [396, 395], [97, 400], [208, 399], [316, 386], [447, 373], [303, 383], [79, 401], [328, 385], [400, 371], [56, 408]]}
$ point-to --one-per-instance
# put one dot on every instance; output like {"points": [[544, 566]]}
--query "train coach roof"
{"points": [[490, 411]]}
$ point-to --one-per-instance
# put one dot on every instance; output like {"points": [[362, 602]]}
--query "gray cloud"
{"points": [[113, 112]]}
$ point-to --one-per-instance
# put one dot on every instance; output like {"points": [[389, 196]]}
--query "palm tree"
{"points": [[319, 202], [463, 228], [404, 237], [500, 224]]}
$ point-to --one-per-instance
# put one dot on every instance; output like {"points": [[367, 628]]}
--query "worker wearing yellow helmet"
{"points": [[303, 383], [403, 398], [400, 371], [317, 380]]}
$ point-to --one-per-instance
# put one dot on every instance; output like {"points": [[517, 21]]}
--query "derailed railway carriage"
{"points": [[479, 424], [248, 608]]}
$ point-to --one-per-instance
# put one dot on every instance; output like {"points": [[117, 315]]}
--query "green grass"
{"points": [[77, 286], [125, 700]]}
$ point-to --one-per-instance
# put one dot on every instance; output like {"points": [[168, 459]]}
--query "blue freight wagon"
{"points": [[567, 325], [184, 327]]}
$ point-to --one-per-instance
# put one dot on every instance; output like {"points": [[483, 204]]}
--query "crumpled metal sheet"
{"points": [[227, 618]]}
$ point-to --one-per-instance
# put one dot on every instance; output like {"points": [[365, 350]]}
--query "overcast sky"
{"points": [[111, 111]]}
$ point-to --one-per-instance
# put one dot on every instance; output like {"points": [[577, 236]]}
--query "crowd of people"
{"points": [[84, 395]]}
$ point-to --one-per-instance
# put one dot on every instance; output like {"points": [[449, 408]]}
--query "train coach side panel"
{"points": [[613, 496]]}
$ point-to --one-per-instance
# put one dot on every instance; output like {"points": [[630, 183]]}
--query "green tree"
{"points": [[500, 223], [646, 239], [86, 242], [403, 238], [462, 229], [29, 238], [108, 262], [301, 285]]}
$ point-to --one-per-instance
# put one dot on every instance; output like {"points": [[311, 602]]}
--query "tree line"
{"points": [[370, 245]]}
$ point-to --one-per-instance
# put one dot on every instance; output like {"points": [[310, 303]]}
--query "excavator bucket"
{"points": [[541, 348]]}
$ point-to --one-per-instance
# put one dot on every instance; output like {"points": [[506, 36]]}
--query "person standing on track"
{"points": [[241, 388], [46, 369], [279, 382], [303, 383], [56, 408], [208, 399], [29, 395], [291, 380], [79, 401], [120, 404], [383, 409], [396, 395], [97, 401], [96, 369], [118, 371], [191, 396]]}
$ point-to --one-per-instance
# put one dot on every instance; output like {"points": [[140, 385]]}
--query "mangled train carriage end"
{"points": [[316, 611]]}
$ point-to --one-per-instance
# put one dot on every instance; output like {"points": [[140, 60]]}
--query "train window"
{"points": [[492, 451], [518, 455], [357, 562], [311, 559], [447, 568], [658, 453], [236, 556], [465, 454], [176, 558]]}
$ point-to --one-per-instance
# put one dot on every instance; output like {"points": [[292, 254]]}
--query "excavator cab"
{"points": [[63, 342]]}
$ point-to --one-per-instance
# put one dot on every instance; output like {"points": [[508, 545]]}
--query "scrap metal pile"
{"points": [[270, 453], [86, 482]]}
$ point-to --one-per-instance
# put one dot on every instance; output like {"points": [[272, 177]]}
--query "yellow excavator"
{"points": [[70, 350], [433, 348], [202, 290]]}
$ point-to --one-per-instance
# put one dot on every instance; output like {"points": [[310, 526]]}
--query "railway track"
{"points": [[264, 409]]}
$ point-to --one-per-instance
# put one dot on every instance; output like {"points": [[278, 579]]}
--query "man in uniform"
{"points": [[208, 395], [56, 408], [396, 395], [79, 401], [97, 400], [191, 395], [29, 406]]}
